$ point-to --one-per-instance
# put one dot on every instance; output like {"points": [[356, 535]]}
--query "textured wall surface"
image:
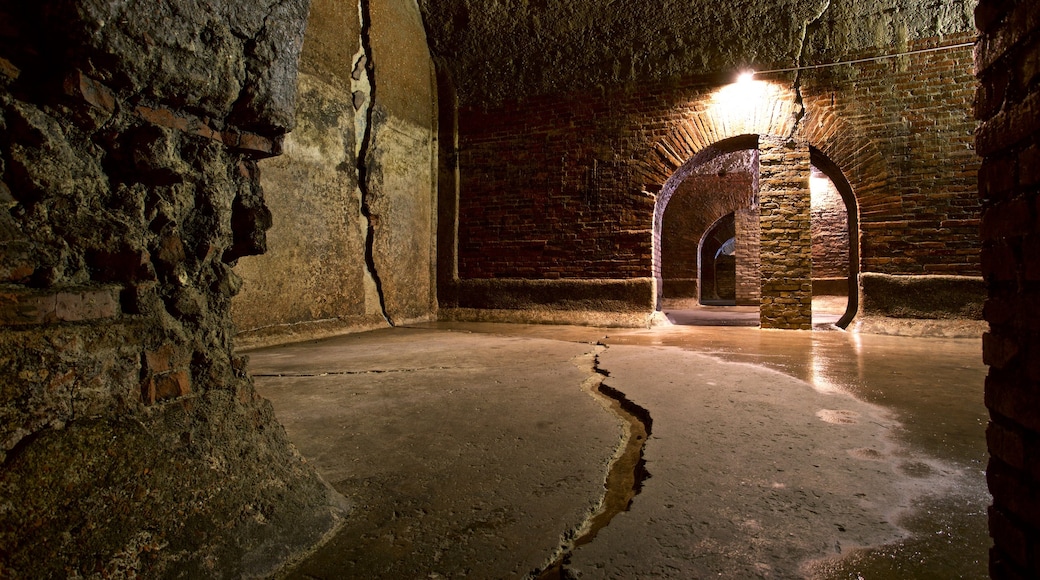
{"points": [[343, 253], [564, 186], [131, 439], [698, 203], [501, 50], [830, 230], [575, 115], [748, 254], [1009, 140], [785, 253]]}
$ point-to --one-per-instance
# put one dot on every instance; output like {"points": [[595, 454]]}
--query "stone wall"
{"points": [[345, 254], [501, 50], [785, 252], [749, 233], [1008, 139], [132, 442]]}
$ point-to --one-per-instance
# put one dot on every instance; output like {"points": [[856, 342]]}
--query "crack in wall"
{"points": [[625, 474], [364, 77]]}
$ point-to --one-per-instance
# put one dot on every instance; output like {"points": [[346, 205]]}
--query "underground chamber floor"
{"points": [[482, 451]]}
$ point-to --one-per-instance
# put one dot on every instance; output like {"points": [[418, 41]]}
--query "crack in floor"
{"points": [[625, 474], [352, 373]]}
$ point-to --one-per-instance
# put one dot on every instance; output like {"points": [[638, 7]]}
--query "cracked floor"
{"points": [[481, 450]]}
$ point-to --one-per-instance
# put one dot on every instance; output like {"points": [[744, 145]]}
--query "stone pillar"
{"points": [[749, 282], [786, 239]]}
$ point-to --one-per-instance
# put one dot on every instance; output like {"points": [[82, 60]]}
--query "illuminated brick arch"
{"points": [[723, 122]]}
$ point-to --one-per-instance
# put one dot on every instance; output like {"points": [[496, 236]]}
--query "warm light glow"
{"points": [[746, 77], [751, 106]]}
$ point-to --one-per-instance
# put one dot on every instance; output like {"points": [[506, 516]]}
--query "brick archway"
{"points": [[716, 126]]}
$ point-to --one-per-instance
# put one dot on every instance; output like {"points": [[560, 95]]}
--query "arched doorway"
{"points": [[718, 271], [831, 224]]}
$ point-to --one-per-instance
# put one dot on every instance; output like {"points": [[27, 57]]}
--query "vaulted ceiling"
{"points": [[503, 49]]}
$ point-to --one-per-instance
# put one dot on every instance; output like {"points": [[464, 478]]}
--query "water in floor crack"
{"points": [[625, 476]]}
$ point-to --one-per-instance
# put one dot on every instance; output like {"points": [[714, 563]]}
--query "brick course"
{"points": [[785, 253]]}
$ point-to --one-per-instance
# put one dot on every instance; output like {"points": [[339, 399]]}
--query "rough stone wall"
{"points": [[1008, 139], [501, 50], [344, 254], [131, 439], [830, 230], [699, 202], [785, 253]]}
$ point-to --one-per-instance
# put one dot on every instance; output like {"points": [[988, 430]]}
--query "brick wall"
{"points": [[915, 179], [749, 283], [1008, 106], [699, 202], [567, 186], [830, 230]]}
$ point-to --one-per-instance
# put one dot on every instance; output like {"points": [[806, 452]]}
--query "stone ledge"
{"points": [[553, 316], [925, 297], [628, 296], [922, 328]]}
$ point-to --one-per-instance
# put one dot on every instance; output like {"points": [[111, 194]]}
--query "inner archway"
{"points": [[718, 272], [702, 192]]}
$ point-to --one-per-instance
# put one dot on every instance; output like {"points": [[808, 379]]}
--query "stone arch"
{"points": [[831, 169]]}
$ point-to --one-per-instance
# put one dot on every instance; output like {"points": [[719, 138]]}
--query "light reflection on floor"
{"points": [[933, 386]]}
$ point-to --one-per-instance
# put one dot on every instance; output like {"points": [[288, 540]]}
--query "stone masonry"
{"points": [[749, 282], [132, 441]]}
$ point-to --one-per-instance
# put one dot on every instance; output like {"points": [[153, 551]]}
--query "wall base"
{"points": [[922, 297], [549, 316], [625, 296]]}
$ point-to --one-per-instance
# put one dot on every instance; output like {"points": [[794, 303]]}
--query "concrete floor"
{"points": [[481, 450]]}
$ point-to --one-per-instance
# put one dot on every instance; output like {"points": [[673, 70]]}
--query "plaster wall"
{"points": [[345, 254]]}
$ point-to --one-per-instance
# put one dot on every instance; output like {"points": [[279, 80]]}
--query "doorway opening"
{"points": [[710, 233]]}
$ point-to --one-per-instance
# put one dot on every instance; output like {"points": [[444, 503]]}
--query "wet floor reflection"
{"points": [[933, 387]]}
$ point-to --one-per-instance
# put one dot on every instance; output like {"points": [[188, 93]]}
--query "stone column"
{"points": [[786, 237], [749, 282]]}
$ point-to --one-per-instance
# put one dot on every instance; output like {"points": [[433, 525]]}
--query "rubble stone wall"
{"points": [[132, 441]]}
